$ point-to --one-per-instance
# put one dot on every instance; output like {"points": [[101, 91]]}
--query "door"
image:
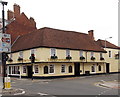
{"points": [[77, 69], [29, 71], [107, 67]]}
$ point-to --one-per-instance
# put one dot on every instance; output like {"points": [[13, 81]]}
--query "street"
{"points": [[83, 85]]}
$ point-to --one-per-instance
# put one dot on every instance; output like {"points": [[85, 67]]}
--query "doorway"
{"points": [[29, 71], [107, 67], [77, 69]]}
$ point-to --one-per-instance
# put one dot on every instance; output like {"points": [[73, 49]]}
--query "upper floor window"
{"points": [[32, 51], [10, 55], [81, 53], [21, 54], [67, 52], [53, 52], [110, 54], [92, 54], [101, 55]]}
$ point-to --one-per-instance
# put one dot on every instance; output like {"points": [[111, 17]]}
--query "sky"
{"points": [[73, 15]]}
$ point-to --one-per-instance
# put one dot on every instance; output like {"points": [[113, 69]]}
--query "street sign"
{"points": [[5, 42]]}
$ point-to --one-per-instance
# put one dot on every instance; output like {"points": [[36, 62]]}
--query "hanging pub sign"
{"points": [[5, 42]]}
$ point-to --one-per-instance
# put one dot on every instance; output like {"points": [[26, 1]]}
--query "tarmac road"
{"points": [[83, 85]]}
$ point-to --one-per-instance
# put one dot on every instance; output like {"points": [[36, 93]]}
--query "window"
{"points": [[24, 69], [92, 54], [53, 51], [110, 54], [99, 68], [21, 54], [11, 56], [13, 69], [67, 52], [46, 70], [70, 69], [101, 55], [93, 68], [63, 68], [36, 69], [51, 69], [81, 53], [32, 51]]}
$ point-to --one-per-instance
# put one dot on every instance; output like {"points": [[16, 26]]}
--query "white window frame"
{"points": [[81, 53], [53, 51], [63, 67], [13, 70], [23, 69], [92, 54], [110, 54], [67, 52], [50, 68], [94, 68], [32, 51], [21, 54], [35, 69]]}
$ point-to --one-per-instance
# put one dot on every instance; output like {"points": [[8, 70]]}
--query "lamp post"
{"points": [[106, 40], [3, 53]]}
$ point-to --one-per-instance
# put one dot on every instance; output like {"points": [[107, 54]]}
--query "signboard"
{"points": [[5, 42]]}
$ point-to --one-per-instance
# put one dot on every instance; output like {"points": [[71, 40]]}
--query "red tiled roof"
{"points": [[49, 37], [108, 44]]}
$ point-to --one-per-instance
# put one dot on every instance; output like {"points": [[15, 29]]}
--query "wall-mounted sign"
{"points": [[5, 42]]}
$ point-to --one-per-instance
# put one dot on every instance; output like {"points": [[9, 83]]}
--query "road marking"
{"points": [[42, 94]]}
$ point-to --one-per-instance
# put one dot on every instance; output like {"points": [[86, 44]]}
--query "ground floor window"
{"points": [[13, 69], [24, 69], [70, 69], [93, 68], [36, 69], [99, 68], [45, 69], [51, 69], [62, 68]]}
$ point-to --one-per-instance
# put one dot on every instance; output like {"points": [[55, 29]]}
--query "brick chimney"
{"points": [[16, 10], [33, 23], [91, 34], [10, 14]]}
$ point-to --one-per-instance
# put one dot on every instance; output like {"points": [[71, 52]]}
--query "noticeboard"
{"points": [[5, 42]]}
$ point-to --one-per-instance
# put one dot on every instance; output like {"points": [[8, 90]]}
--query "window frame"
{"points": [[63, 68], [69, 69], [37, 69], [52, 68], [110, 54], [23, 69], [53, 52], [68, 53]]}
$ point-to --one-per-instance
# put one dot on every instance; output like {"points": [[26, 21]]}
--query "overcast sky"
{"points": [[74, 15]]}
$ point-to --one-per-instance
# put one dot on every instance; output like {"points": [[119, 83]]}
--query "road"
{"points": [[83, 85]]}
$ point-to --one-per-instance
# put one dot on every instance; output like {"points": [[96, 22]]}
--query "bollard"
{"points": [[7, 83]]}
